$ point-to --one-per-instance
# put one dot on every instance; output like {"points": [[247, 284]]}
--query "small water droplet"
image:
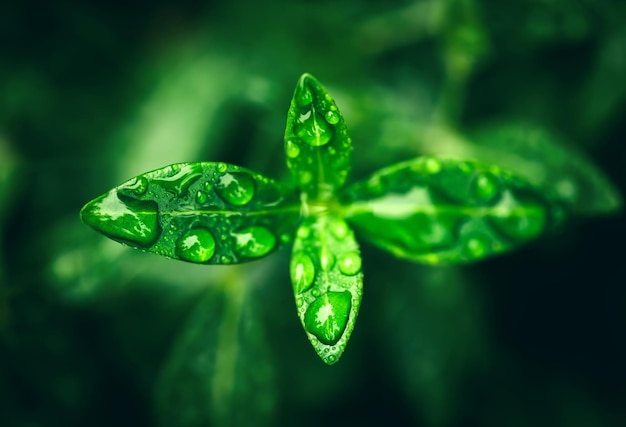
{"points": [[221, 167], [303, 95], [254, 242], [299, 301], [302, 272], [340, 230], [432, 165], [292, 149], [236, 188], [225, 259], [332, 117], [303, 232], [350, 263], [201, 197], [197, 245], [327, 259], [477, 247], [313, 129], [316, 292], [485, 186], [139, 185], [331, 359]]}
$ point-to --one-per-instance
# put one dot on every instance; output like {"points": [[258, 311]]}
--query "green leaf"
{"points": [[207, 213], [445, 211], [548, 161], [220, 371], [317, 144], [327, 283]]}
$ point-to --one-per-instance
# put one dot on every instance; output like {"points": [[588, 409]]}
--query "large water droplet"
{"points": [[350, 263], [177, 178], [254, 242], [303, 94], [313, 129], [129, 220], [326, 318], [292, 149], [197, 245], [302, 272], [236, 188]]}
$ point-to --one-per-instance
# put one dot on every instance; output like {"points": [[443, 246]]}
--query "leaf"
{"points": [[445, 211], [317, 145], [208, 213], [327, 283], [220, 371], [544, 159]]}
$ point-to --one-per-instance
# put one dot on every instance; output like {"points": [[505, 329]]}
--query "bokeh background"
{"points": [[94, 333]]}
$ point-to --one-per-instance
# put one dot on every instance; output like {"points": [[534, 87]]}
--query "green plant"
{"points": [[431, 210]]}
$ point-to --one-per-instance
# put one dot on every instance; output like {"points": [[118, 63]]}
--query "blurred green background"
{"points": [[94, 333]]}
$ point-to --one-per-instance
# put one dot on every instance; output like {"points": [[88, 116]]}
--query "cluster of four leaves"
{"points": [[427, 209]]}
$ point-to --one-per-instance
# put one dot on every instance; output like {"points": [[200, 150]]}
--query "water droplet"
{"points": [[303, 232], [327, 317], [302, 272], [350, 263], [177, 178], [292, 149], [313, 129], [201, 197], [477, 247], [299, 301], [340, 230], [129, 220], [254, 242], [303, 95], [485, 186], [221, 167], [197, 245], [316, 292], [225, 259], [331, 359], [432, 165], [327, 259], [332, 117], [236, 188], [138, 185]]}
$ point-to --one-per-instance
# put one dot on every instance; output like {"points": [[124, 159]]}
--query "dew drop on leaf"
{"points": [[313, 129], [201, 197], [350, 263], [332, 117], [327, 259], [236, 188], [197, 245], [138, 185], [128, 220], [326, 318], [485, 186], [292, 149], [302, 272], [254, 242]]}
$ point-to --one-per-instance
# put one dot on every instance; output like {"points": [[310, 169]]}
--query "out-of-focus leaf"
{"points": [[220, 370], [446, 211], [207, 213], [318, 148], [533, 153], [435, 338], [327, 283], [543, 159]]}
